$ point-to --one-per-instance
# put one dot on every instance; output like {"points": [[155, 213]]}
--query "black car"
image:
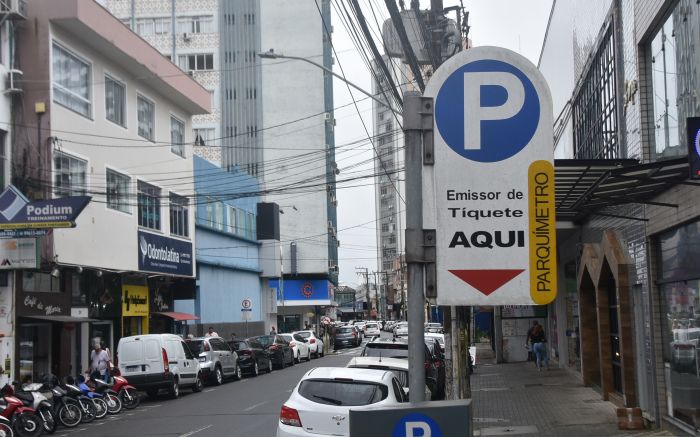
{"points": [[439, 361], [398, 348], [252, 357], [346, 336], [277, 348]]}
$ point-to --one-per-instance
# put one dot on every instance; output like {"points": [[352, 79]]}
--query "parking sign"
{"points": [[490, 194]]}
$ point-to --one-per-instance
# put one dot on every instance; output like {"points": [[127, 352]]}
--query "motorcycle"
{"points": [[32, 397], [87, 406], [97, 399], [127, 393], [23, 419], [65, 409], [109, 395]]}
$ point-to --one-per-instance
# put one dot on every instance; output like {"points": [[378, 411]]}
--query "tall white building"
{"points": [[272, 119]]}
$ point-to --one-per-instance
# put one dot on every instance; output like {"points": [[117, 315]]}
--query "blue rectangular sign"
{"points": [[301, 290], [24, 233], [18, 212], [164, 255]]}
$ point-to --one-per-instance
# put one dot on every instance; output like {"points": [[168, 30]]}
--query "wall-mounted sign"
{"points": [[24, 233], [164, 255], [134, 300], [18, 212], [19, 253], [43, 304], [693, 127], [303, 292]]}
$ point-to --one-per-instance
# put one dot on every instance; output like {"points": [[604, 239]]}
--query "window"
{"points": [[153, 26], [342, 393], [201, 24], [71, 81], [118, 191], [146, 117], [38, 282], [149, 205], [594, 106], [231, 219], [115, 101], [219, 215], [204, 136], [250, 225], [177, 137], [196, 62], [69, 175], [209, 212], [179, 215]]}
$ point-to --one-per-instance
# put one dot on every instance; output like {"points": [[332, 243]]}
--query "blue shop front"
{"points": [[302, 302]]}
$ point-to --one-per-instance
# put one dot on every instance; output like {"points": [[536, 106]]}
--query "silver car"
{"points": [[216, 359]]}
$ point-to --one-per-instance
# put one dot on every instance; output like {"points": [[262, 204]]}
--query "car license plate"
{"points": [[202, 359], [132, 368]]}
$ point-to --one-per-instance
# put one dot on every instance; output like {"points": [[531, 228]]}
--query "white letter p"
{"points": [[475, 113], [412, 426]]}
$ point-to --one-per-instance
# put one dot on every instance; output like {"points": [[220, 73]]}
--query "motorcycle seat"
{"points": [[27, 398]]}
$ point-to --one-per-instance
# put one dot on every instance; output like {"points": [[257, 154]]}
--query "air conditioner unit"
{"points": [[186, 37], [14, 81], [14, 9], [190, 73]]}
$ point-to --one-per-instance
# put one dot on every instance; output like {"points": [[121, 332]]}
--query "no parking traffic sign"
{"points": [[490, 194]]}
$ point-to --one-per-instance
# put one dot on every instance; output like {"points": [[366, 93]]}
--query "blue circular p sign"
{"points": [[487, 110], [416, 425]]}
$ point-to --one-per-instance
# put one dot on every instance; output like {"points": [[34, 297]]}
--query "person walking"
{"points": [[539, 345], [273, 331], [211, 332], [100, 361]]}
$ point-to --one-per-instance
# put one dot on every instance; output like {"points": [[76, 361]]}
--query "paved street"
{"points": [[236, 408]]}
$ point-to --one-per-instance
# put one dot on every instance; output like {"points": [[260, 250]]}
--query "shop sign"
{"points": [[303, 292], [19, 253], [161, 254], [162, 299], [134, 301], [18, 212], [45, 304]]}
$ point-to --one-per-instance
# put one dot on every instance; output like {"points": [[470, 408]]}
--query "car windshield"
{"points": [[240, 345], [287, 337], [195, 346], [342, 393], [388, 350], [345, 330], [305, 334], [266, 340], [371, 325]]}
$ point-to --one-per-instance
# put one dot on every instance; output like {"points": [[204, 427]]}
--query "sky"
{"points": [[514, 24]]}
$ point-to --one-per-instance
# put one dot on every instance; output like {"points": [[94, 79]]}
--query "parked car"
{"points": [[216, 359], [388, 326], [346, 336], [159, 361], [252, 357], [438, 358], [398, 348], [397, 366], [320, 404], [315, 343], [434, 328], [372, 330], [439, 337], [299, 345], [278, 349], [401, 329]]}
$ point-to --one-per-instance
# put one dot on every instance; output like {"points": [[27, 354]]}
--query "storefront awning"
{"points": [[585, 187], [178, 317]]}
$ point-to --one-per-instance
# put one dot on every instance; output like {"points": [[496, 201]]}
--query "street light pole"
{"points": [[271, 54]]}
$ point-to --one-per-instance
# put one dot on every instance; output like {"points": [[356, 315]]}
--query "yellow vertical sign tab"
{"points": [[542, 232]]}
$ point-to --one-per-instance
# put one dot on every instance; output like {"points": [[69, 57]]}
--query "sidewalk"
{"points": [[515, 399]]}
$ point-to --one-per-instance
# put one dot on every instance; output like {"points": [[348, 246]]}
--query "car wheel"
{"points": [[197, 387], [256, 371], [238, 375], [298, 358], [175, 389], [292, 361], [218, 376], [269, 366], [308, 355], [316, 353], [321, 352]]}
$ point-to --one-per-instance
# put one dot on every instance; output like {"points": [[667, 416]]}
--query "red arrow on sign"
{"points": [[487, 281]]}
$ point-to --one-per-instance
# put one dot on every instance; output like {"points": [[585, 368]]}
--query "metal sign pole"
{"points": [[413, 136]]}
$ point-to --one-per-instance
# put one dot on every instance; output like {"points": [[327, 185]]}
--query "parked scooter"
{"points": [[109, 395], [66, 410], [127, 393], [97, 399], [24, 420], [32, 397], [5, 427], [87, 406]]}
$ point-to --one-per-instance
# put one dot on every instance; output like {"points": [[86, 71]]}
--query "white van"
{"points": [[155, 361]]}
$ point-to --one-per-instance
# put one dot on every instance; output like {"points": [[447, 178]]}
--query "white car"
{"points": [[315, 344], [372, 330], [299, 345], [440, 339], [320, 404], [397, 366], [401, 329]]}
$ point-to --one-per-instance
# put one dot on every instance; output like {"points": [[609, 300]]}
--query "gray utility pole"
{"points": [[364, 271], [417, 122]]}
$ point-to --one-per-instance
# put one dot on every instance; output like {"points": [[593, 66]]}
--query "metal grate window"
{"points": [[594, 106]]}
